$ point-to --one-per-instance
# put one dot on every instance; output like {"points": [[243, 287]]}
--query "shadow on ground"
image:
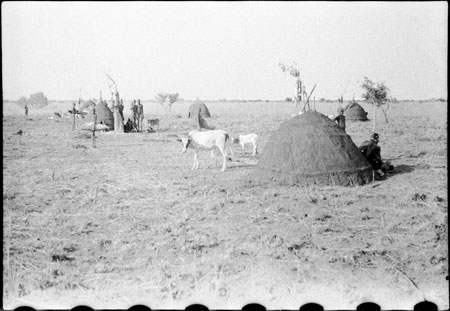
{"points": [[401, 169]]}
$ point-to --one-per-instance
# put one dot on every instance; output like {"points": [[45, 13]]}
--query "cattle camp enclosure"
{"points": [[129, 223]]}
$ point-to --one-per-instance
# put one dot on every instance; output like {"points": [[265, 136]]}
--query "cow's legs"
{"points": [[224, 155], [255, 150], [196, 161]]}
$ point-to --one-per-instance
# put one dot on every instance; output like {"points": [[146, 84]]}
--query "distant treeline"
{"points": [[288, 99]]}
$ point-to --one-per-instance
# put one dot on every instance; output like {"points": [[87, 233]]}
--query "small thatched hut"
{"points": [[354, 112], [312, 149], [104, 115], [197, 107]]}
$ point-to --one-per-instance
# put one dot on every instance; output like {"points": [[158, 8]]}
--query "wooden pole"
{"points": [[373, 117], [93, 128], [73, 122]]}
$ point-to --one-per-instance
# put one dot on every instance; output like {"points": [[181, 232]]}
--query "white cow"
{"points": [[98, 126], [206, 140], [247, 139]]}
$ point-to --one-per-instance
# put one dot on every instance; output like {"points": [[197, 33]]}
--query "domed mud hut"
{"points": [[312, 149], [354, 112], [104, 115], [197, 107]]}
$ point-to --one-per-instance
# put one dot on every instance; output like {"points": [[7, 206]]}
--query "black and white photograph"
{"points": [[225, 154]]}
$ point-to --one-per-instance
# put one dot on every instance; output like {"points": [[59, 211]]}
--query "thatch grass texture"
{"points": [[354, 112], [311, 149], [198, 107], [104, 115]]}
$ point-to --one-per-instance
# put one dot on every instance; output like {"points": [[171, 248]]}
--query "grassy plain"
{"points": [[129, 223]]}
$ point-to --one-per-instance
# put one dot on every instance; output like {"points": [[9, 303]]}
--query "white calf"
{"points": [[206, 140], [248, 139], [88, 126]]}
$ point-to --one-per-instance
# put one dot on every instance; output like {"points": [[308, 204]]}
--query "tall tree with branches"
{"points": [[378, 95], [301, 93], [294, 72]]}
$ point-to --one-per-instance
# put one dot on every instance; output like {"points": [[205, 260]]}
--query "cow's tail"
{"points": [[227, 137]]}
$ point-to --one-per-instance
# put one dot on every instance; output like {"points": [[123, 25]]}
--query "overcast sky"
{"points": [[216, 50]]}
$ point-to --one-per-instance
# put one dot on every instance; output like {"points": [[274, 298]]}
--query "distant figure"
{"points": [[151, 124], [118, 122], [26, 111], [128, 127], [134, 114], [340, 118], [140, 115], [121, 110]]}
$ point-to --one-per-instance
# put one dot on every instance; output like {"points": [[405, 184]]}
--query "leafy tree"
{"points": [[173, 98], [161, 98], [37, 100], [166, 100], [22, 101], [378, 95]]}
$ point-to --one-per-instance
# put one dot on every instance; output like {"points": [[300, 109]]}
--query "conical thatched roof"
{"points": [[312, 149], [104, 115], [354, 112], [196, 107]]}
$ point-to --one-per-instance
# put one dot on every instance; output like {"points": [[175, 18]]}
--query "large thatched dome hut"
{"points": [[197, 107], [104, 115], [354, 112], [312, 149]]}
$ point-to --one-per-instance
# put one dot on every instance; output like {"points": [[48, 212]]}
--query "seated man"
{"points": [[128, 127], [372, 152]]}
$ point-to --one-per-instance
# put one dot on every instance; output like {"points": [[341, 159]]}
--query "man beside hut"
{"points": [[118, 120], [134, 114], [26, 111], [140, 115], [121, 109], [340, 118], [372, 152]]}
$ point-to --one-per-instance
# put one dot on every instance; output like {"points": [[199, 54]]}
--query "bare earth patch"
{"points": [[129, 223]]}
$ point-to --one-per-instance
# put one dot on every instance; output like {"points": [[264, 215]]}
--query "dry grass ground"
{"points": [[129, 223]]}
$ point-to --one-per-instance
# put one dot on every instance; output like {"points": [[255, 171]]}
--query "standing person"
{"points": [[118, 120], [121, 109], [340, 118], [134, 114], [26, 111], [140, 115]]}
